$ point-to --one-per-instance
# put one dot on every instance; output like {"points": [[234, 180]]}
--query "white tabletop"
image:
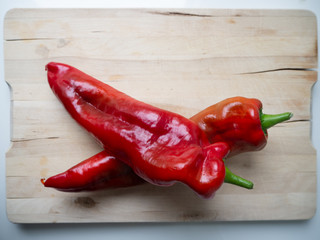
{"points": [[309, 229]]}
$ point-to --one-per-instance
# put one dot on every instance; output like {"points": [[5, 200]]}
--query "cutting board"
{"points": [[182, 60]]}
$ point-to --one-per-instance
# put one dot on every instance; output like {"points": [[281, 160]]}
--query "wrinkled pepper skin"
{"points": [[239, 122], [225, 121], [100, 171], [160, 146], [235, 121]]}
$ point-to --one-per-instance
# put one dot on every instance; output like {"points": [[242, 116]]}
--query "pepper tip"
{"points": [[42, 180], [52, 67]]}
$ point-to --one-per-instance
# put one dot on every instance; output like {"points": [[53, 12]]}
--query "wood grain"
{"points": [[181, 60]]}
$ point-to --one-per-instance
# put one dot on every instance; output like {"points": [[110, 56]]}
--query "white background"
{"points": [[293, 230]]}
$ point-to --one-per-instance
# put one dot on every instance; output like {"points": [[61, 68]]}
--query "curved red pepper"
{"points": [[238, 121], [97, 172], [161, 147]]}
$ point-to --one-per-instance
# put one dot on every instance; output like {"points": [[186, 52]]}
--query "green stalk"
{"points": [[236, 180], [269, 120]]}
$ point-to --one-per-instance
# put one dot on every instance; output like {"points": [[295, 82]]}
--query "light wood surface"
{"points": [[181, 60]]}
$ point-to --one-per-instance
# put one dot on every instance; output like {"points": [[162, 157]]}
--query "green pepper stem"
{"points": [[236, 180], [269, 120]]}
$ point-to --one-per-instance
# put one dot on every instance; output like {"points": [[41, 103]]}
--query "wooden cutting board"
{"points": [[181, 60]]}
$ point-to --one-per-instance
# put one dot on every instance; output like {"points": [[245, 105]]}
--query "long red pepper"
{"points": [[160, 146], [100, 171], [105, 171], [233, 120]]}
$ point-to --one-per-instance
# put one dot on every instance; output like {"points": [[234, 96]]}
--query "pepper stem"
{"points": [[269, 120], [236, 180]]}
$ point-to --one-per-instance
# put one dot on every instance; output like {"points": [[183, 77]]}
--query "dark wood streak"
{"points": [[32, 139], [278, 69], [182, 14]]}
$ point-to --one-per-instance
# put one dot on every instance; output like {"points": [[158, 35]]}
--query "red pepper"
{"points": [[239, 122], [233, 121], [160, 146], [97, 172]]}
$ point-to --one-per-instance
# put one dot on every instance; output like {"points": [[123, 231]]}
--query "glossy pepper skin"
{"points": [[239, 122], [160, 146], [210, 120], [100, 171], [234, 120]]}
